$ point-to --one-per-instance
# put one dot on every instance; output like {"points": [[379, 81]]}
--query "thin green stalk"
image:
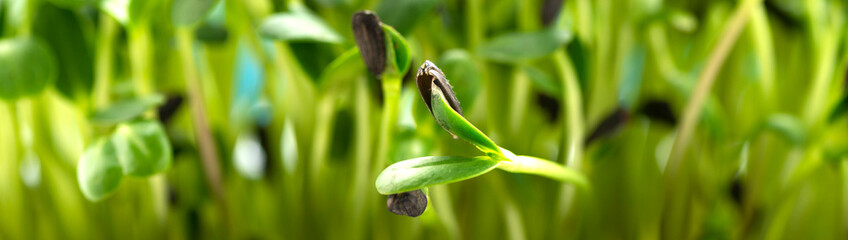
{"points": [[205, 140], [391, 100], [103, 61], [545, 168], [362, 161], [140, 49], [705, 82], [817, 97], [572, 150], [573, 108]]}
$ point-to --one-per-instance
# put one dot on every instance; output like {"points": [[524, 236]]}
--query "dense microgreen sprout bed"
{"points": [[423, 119]]}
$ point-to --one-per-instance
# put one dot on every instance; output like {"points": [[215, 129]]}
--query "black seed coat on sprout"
{"points": [[611, 124], [430, 76], [167, 110], [412, 203], [550, 11], [371, 40], [550, 106]]}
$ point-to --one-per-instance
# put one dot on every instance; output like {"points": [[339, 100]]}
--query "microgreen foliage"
{"points": [[98, 171], [299, 24], [126, 109], [143, 148], [136, 148], [519, 46], [27, 66], [422, 172]]}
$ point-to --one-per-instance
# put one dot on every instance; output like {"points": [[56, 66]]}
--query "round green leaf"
{"points": [[126, 109], [187, 12], [27, 66], [421, 172], [515, 47], [98, 171], [143, 148], [454, 123], [399, 49], [299, 25]]}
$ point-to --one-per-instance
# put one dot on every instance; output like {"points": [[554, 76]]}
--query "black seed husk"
{"points": [[659, 110], [428, 76], [370, 39], [550, 11], [611, 124], [412, 203]]}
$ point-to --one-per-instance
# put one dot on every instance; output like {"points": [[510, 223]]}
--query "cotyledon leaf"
{"points": [[454, 123], [143, 148], [515, 47], [126, 109], [400, 48], [299, 25], [27, 66], [98, 170], [421, 172]]}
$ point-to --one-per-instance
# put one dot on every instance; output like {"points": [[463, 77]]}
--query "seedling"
{"points": [[418, 173]]}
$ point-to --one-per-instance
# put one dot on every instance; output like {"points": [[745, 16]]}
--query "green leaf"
{"points": [[348, 65], [543, 81], [299, 24], [516, 47], [187, 12], [400, 50], [143, 148], [126, 109], [98, 170], [454, 123], [421, 172], [64, 32], [27, 66], [631, 77], [788, 126]]}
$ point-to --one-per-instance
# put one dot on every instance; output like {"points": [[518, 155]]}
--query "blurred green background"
{"points": [[257, 119]]}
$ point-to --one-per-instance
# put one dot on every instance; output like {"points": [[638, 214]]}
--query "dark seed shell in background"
{"points": [[429, 75], [611, 124], [412, 203], [550, 11], [370, 39], [660, 111]]}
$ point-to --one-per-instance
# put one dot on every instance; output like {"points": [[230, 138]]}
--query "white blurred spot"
{"points": [[249, 157]]}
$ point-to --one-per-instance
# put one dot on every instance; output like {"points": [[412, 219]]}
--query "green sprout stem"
{"points": [[545, 168], [391, 96], [205, 140]]}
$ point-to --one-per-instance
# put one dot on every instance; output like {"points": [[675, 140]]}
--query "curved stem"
{"points": [[545, 168], [391, 96], [573, 108], [205, 141], [705, 82]]}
